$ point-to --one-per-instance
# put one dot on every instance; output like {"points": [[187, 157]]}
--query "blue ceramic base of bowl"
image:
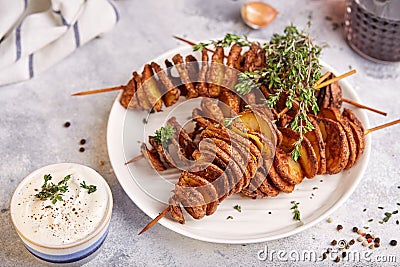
{"points": [[69, 258]]}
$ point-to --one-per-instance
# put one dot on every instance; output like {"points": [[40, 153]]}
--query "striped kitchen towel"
{"points": [[36, 34]]}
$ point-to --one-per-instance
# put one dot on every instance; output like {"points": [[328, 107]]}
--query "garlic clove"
{"points": [[258, 14]]}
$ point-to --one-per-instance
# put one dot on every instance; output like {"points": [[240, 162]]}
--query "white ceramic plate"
{"points": [[254, 223]]}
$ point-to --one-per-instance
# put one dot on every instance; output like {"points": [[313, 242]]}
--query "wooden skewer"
{"points": [[97, 91], [328, 82], [326, 75], [135, 159], [154, 221], [362, 106], [381, 126]]}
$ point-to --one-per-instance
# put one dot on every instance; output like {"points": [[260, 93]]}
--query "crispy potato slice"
{"points": [[172, 94], [128, 98], [216, 73], [211, 109], [288, 169], [308, 159], [192, 201], [143, 102], [204, 187], [317, 142], [184, 74], [278, 182], [151, 89], [352, 117], [336, 145], [229, 103], [334, 114], [250, 57], [202, 86], [152, 158], [213, 173], [230, 79], [175, 210], [163, 152], [359, 137], [336, 95]]}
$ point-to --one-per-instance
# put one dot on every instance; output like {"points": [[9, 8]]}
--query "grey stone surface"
{"points": [[32, 135]]}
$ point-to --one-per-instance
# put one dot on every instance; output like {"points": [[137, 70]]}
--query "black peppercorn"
{"points": [[352, 242], [82, 149], [393, 243], [355, 229], [83, 141], [339, 227], [67, 124], [334, 242]]}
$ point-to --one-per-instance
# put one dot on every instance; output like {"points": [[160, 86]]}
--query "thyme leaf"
{"points": [[91, 188], [296, 211], [164, 134], [52, 191]]}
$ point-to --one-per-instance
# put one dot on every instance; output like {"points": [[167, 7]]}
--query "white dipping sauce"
{"points": [[66, 221]]}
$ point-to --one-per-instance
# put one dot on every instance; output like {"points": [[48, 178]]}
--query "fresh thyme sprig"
{"points": [[51, 191], [229, 121], [296, 211], [228, 40], [164, 134], [292, 70], [91, 188]]}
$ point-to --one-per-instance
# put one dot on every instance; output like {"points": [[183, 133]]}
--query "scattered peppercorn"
{"points": [[83, 141], [369, 240], [334, 242], [397, 222], [359, 231], [368, 236], [371, 246], [344, 254], [339, 227], [360, 238], [393, 243], [82, 149], [337, 259], [352, 242], [373, 235], [363, 234], [364, 210], [329, 220], [377, 245], [365, 243], [67, 124], [355, 229], [377, 240]]}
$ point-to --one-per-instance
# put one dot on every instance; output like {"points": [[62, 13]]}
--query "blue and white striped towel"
{"points": [[36, 34]]}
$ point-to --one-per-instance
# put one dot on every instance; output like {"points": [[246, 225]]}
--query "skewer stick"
{"points": [[335, 79], [97, 91], [362, 106], [381, 126], [323, 78], [135, 159], [154, 221]]}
